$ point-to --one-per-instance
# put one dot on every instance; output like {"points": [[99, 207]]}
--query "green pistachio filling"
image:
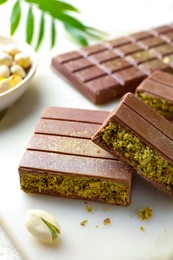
{"points": [[162, 106], [87, 188], [142, 157]]}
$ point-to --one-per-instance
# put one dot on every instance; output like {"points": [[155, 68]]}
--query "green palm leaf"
{"points": [[63, 17], [54, 5], [3, 1], [76, 35], [15, 17], [41, 31], [29, 26], [53, 33], [58, 11]]}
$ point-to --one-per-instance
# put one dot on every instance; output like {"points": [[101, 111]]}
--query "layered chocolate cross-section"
{"points": [[139, 136], [62, 160], [157, 92], [101, 72]]}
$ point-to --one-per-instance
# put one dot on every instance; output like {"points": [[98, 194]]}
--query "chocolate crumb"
{"points": [[106, 221]]}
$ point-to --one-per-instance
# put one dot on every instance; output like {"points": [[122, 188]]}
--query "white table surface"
{"points": [[117, 18]]}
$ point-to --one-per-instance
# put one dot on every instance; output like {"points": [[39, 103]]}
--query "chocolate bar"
{"points": [[139, 136], [157, 92], [101, 72], [61, 159]]}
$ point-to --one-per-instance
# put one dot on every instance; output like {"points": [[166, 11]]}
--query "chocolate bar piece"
{"points": [[139, 136], [100, 71], [157, 92], [61, 159]]}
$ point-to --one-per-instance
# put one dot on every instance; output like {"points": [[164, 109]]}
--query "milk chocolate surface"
{"points": [[157, 91], [141, 137], [99, 71], [61, 159]]}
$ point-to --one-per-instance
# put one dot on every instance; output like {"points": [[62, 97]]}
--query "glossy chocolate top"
{"points": [[62, 144], [159, 84], [100, 71], [144, 122]]}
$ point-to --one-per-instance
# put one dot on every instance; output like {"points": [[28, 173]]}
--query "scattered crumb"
{"points": [[86, 202], [97, 226], [89, 208], [106, 209], [145, 213], [106, 221], [142, 228], [131, 216], [98, 151], [83, 222]]}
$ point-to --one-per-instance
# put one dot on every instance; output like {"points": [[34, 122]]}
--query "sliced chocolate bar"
{"points": [[157, 92], [61, 159], [139, 136], [94, 70]]}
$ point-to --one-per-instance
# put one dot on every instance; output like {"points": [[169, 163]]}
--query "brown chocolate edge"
{"points": [[129, 183], [96, 99], [69, 78], [98, 140], [47, 114], [141, 89], [128, 96]]}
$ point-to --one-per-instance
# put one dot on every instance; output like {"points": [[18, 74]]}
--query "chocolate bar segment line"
{"points": [[66, 128], [78, 165], [156, 89], [79, 177], [153, 65], [73, 55], [140, 36], [66, 145], [144, 129], [61, 159], [142, 138], [151, 42], [128, 49], [162, 77], [74, 114], [146, 51], [161, 29], [148, 114], [157, 92], [77, 65]]}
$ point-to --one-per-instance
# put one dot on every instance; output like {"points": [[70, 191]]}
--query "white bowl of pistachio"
{"points": [[18, 63]]}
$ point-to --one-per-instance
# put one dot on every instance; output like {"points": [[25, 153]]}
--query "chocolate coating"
{"points": [[151, 42], [159, 86], [152, 129], [91, 69], [61, 146]]}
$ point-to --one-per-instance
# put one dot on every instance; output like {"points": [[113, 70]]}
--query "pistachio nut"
{"points": [[42, 225]]}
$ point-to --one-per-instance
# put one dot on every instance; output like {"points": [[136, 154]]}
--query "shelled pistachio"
{"points": [[14, 65], [42, 225]]}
